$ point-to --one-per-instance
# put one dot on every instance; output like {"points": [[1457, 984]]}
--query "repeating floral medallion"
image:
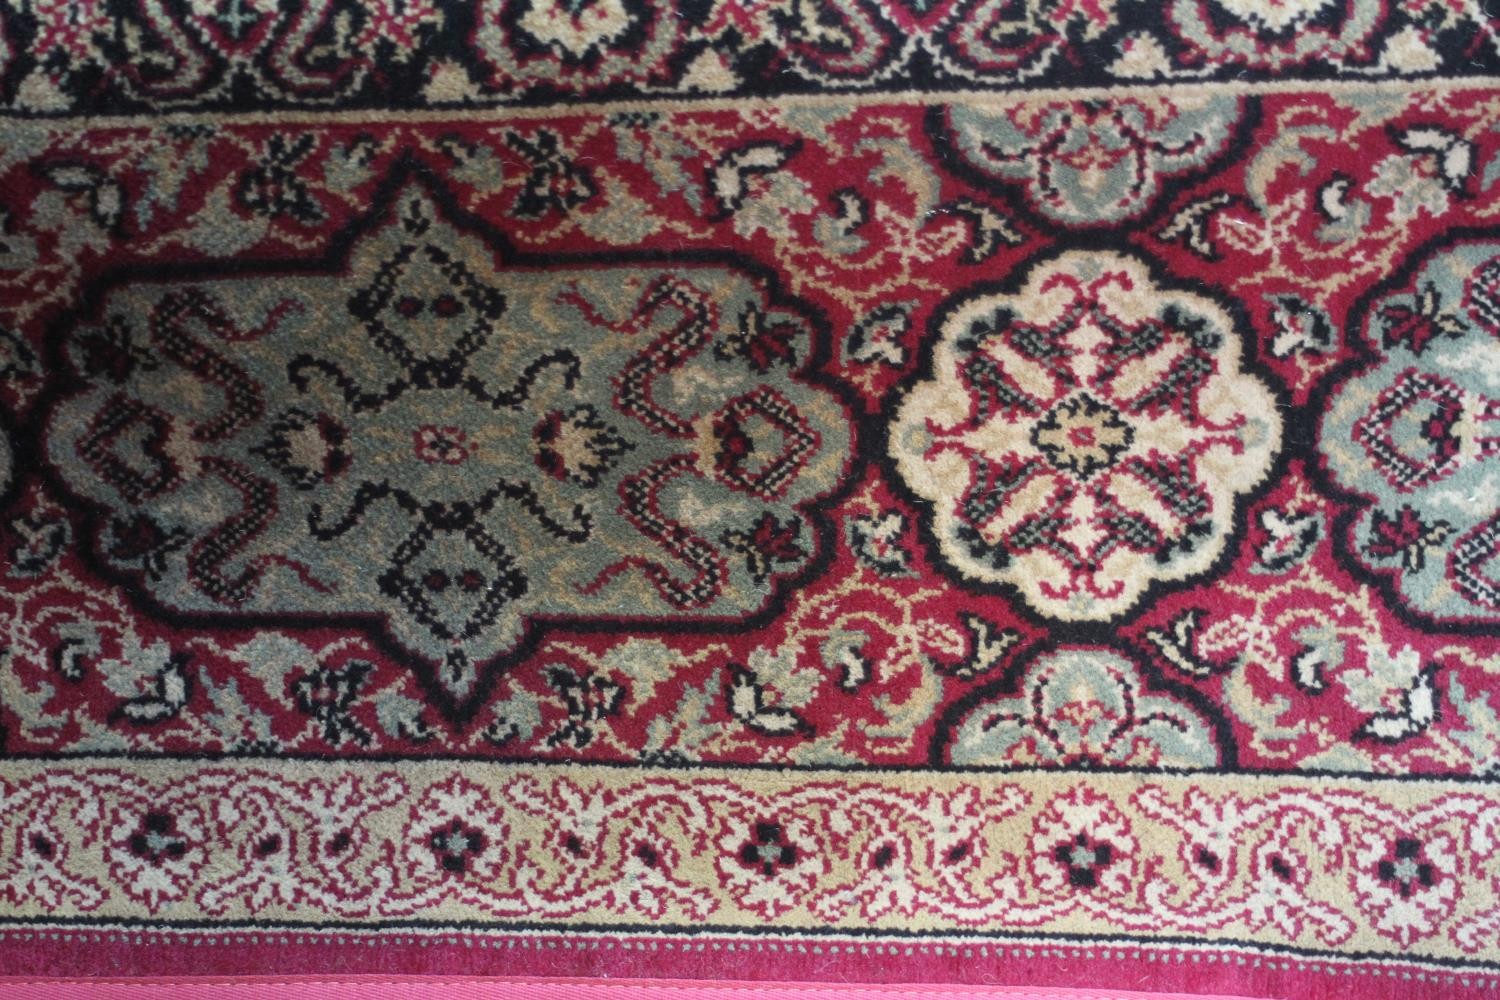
{"points": [[449, 446], [1413, 436], [1084, 437]]}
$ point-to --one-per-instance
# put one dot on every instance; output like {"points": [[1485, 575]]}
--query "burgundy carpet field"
{"points": [[933, 491]]}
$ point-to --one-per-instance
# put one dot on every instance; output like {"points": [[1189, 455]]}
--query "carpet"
{"points": [[929, 490]]}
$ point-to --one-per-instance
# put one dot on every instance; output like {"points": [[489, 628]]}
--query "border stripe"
{"points": [[485, 988], [686, 105]]}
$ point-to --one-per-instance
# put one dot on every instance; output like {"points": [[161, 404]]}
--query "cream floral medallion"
{"points": [[1085, 437]]}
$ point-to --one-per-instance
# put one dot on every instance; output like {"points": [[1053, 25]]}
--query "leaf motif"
{"points": [[988, 646], [171, 688], [728, 179], [1189, 226], [747, 703], [1307, 669], [1419, 710], [1175, 644], [988, 230], [106, 196]]}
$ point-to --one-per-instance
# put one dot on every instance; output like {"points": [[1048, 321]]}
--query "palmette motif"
{"points": [[945, 469]]}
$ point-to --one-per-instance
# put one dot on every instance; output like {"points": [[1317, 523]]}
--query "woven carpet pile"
{"points": [[997, 490]]}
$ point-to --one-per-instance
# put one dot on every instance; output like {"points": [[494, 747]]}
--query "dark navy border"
{"points": [[764, 65]]}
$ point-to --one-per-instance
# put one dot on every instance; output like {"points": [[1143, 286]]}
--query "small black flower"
{"points": [[157, 839], [761, 341], [456, 846], [40, 538], [768, 544], [1084, 859], [110, 352], [590, 699], [1407, 867], [273, 189], [768, 850], [555, 183]]}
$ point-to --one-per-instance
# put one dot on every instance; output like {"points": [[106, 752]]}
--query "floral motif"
{"points": [[1404, 872], [771, 865], [578, 445], [1083, 842], [1082, 436], [1412, 438], [456, 843], [1085, 436], [875, 540], [272, 187], [447, 445], [1083, 706], [586, 45], [1090, 163], [1279, 34], [1407, 885], [327, 695], [156, 852], [992, 37]]}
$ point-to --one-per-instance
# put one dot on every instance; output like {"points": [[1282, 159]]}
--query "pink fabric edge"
{"points": [[485, 988], [35, 955]]}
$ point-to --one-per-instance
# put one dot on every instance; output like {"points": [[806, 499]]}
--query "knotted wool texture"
{"points": [[946, 491]]}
